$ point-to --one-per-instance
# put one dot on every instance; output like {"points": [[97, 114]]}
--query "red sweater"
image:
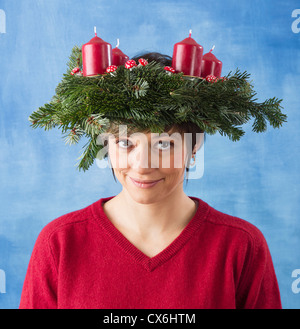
{"points": [[80, 260]]}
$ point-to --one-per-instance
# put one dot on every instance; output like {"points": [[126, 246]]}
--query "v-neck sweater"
{"points": [[81, 260]]}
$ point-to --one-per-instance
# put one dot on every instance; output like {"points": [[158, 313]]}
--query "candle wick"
{"points": [[118, 42], [213, 47], [190, 33], [95, 31]]}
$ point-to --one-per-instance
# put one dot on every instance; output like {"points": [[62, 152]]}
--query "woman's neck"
{"points": [[168, 214]]}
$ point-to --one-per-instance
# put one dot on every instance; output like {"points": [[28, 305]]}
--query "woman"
{"points": [[150, 246], [152, 208]]}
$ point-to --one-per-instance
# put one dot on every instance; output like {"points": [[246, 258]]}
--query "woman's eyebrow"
{"points": [[154, 137], [175, 135], [168, 137]]}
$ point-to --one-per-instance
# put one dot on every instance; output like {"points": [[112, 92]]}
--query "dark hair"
{"points": [[165, 60], [187, 127]]}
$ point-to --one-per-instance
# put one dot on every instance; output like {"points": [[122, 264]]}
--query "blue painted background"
{"points": [[256, 179]]}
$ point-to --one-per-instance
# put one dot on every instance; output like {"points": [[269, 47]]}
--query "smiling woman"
{"points": [[147, 160], [152, 246], [181, 142], [150, 168]]}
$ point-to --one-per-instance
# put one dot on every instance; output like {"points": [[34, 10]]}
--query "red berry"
{"points": [[130, 64], [143, 62], [170, 69], [75, 70], [211, 78], [111, 68]]}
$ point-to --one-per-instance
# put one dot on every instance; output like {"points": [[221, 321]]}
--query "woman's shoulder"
{"points": [[67, 221], [233, 224]]}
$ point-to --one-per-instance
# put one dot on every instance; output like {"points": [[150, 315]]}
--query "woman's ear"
{"points": [[199, 142]]}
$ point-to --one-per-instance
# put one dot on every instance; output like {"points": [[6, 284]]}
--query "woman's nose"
{"points": [[140, 157]]}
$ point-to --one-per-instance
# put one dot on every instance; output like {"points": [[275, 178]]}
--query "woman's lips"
{"points": [[145, 184]]}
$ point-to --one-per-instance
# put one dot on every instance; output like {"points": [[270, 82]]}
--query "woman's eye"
{"points": [[161, 145], [124, 143], [164, 145]]}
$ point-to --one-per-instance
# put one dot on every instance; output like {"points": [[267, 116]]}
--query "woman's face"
{"points": [[148, 165]]}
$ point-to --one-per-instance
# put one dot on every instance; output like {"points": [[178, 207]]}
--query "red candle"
{"points": [[96, 56], [118, 57], [187, 57], [211, 65]]}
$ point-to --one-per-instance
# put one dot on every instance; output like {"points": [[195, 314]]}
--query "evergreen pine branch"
{"points": [[95, 124], [45, 117], [89, 154], [75, 59], [74, 135]]}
